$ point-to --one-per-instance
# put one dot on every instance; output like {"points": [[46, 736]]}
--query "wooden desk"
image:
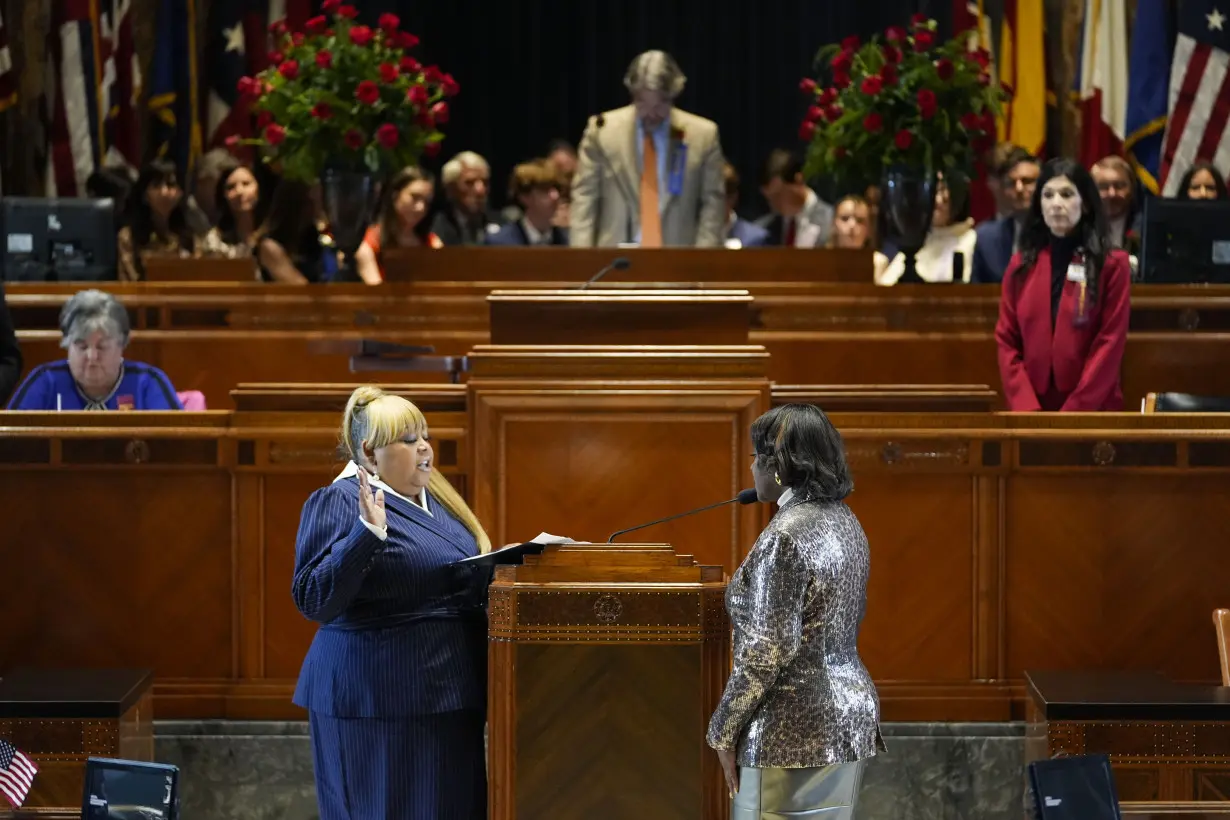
{"points": [[298, 397], [999, 542], [61, 717], [211, 337], [1167, 741]]}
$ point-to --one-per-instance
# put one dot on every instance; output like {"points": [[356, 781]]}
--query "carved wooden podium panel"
{"points": [[605, 665]]}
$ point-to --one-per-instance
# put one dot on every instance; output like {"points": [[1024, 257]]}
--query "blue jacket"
{"points": [[404, 630], [993, 250], [513, 235], [141, 387]]}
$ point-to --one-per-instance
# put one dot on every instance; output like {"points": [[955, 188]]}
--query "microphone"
{"points": [[747, 496], [618, 263]]}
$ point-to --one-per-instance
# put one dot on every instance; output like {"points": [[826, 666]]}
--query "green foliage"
{"points": [[347, 97], [900, 99]]}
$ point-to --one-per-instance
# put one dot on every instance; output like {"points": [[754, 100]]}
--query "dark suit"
{"points": [[395, 680], [749, 234], [992, 250], [451, 231], [1072, 363], [513, 235], [10, 353]]}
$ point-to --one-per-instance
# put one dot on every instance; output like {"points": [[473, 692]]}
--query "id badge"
{"points": [[679, 161], [1076, 272]]}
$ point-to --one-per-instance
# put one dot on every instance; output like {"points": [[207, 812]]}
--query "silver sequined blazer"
{"points": [[798, 695]]}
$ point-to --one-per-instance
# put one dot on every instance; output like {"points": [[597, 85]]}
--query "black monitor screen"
{"points": [[1185, 241], [66, 240], [1074, 788], [129, 790]]}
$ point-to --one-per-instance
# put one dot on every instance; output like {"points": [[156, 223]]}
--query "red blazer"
{"points": [[1077, 366]]}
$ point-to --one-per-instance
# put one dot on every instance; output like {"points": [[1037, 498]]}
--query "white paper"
{"points": [[548, 538]]}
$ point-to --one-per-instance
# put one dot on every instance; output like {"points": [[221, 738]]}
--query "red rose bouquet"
{"points": [[346, 96], [900, 99]]}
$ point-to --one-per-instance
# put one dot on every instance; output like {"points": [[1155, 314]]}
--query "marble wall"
{"points": [[932, 771]]}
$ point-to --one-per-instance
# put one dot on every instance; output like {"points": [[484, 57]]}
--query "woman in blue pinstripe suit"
{"points": [[395, 682]]}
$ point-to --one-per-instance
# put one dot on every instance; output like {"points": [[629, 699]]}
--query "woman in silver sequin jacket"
{"points": [[800, 714]]}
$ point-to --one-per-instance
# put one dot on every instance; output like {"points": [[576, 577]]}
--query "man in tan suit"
{"points": [[649, 173]]}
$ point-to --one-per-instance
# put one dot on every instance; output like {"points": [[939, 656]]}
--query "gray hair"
{"points": [[215, 163], [655, 71], [451, 172], [91, 311]]}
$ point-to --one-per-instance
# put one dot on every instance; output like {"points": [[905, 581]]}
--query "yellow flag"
{"points": [[1022, 74]]}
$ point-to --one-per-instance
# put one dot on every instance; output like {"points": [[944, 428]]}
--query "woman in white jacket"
{"points": [[935, 261]]}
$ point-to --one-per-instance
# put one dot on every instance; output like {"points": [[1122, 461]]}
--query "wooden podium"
{"points": [[584, 433], [606, 662]]}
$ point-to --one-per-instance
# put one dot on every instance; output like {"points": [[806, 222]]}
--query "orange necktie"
{"points": [[651, 220]]}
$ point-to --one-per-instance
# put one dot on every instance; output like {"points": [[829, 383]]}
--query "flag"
{"points": [[8, 78], [16, 774], [1199, 104], [1102, 75], [236, 31], [1148, 84], [173, 104], [294, 12], [120, 90], [1022, 74], [71, 107]]}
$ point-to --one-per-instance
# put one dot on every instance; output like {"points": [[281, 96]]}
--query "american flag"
{"points": [[1199, 92], [238, 46], [16, 774]]}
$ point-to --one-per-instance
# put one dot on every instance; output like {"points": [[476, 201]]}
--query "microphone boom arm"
{"points": [[615, 535]]}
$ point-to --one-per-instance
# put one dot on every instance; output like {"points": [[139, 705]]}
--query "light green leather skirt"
{"points": [[823, 793]]}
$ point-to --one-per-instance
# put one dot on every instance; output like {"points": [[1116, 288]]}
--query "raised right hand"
{"points": [[371, 505]]}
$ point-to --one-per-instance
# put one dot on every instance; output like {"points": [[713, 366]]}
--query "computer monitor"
{"points": [[1185, 241], [65, 240], [129, 790], [1081, 787]]}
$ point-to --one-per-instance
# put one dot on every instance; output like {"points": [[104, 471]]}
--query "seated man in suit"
{"points": [[740, 233], [465, 220], [997, 239], [799, 218], [10, 353], [649, 173], [536, 187]]}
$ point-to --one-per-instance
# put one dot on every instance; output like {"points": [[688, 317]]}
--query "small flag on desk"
{"points": [[16, 774]]}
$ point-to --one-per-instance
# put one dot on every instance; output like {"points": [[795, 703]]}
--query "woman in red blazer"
{"points": [[1063, 310]]}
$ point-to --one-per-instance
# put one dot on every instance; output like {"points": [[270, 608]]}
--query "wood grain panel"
{"points": [[1128, 566], [919, 607], [584, 711], [127, 567]]}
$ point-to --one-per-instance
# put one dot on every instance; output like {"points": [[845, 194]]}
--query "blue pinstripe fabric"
{"points": [[398, 666]]}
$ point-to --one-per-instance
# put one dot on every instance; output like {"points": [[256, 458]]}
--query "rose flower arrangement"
{"points": [[902, 99], [344, 96]]}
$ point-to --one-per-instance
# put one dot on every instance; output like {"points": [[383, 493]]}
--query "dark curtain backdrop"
{"points": [[534, 70]]}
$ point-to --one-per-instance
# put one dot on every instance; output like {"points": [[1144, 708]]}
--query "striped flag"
{"points": [[74, 68], [120, 91], [1199, 92], [1103, 79], [16, 774], [970, 16], [1022, 74]]}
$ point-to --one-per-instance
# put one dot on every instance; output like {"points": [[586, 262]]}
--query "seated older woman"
{"points": [[95, 375]]}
